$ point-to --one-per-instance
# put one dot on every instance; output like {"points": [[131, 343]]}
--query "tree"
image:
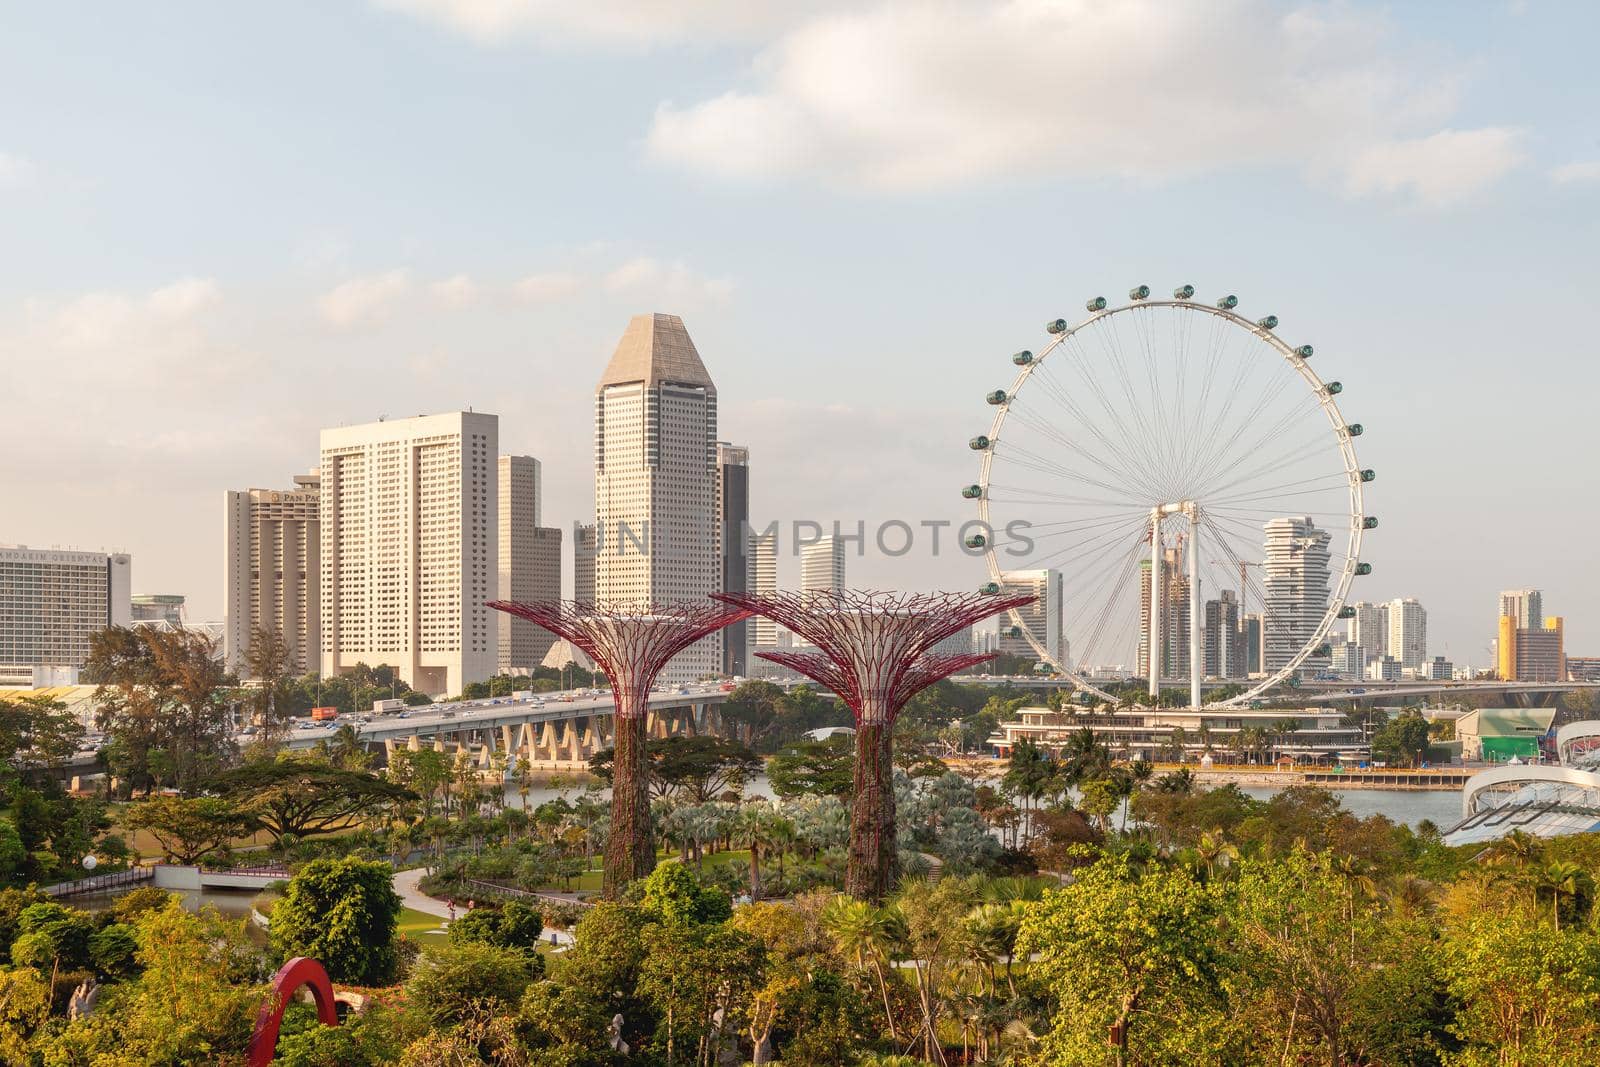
{"points": [[36, 730], [268, 661], [163, 703], [691, 973], [513, 925], [188, 828], [693, 769], [1404, 740], [304, 796], [824, 768], [343, 913], [1115, 948], [672, 894]]}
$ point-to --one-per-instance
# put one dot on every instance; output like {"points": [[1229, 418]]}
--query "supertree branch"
{"points": [[631, 644], [875, 652], [872, 639]]}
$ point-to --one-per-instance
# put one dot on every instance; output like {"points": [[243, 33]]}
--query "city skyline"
{"points": [[205, 346]]}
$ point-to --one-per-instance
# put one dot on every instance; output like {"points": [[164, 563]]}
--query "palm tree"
{"points": [[1562, 879], [1518, 848], [753, 827], [864, 934], [1212, 848]]}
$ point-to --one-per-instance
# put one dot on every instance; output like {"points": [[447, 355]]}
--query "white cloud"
{"points": [[904, 96], [363, 298], [627, 23], [455, 292], [547, 288], [644, 275], [1587, 170], [1439, 170], [14, 170], [183, 297]]}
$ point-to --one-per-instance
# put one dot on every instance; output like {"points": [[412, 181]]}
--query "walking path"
{"points": [[405, 884]]}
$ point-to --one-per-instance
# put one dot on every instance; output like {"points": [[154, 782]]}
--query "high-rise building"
{"points": [[763, 581], [1295, 590], [52, 601], [410, 548], [583, 563], [1175, 619], [1250, 636], [822, 565], [1042, 618], [271, 570], [733, 520], [656, 480], [1222, 642], [1347, 660], [1526, 606], [1408, 633], [1368, 629], [1536, 655], [1438, 669], [1384, 669], [529, 564]]}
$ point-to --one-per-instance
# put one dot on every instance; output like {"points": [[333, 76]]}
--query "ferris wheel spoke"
{"points": [[1044, 428], [1143, 434], [1275, 463], [1081, 418], [1135, 439], [1035, 462], [1291, 420], [1002, 494]]}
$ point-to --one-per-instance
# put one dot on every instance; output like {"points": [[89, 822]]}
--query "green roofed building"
{"points": [[1496, 735]]}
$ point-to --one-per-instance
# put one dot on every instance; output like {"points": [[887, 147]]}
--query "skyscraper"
{"points": [[656, 480], [1042, 618], [271, 570], [1250, 636], [1525, 606], [1295, 590], [733, 518], [529, 564], [1408, 633], [410, 548], [822, 565], [51, 601], [763, 581], [583, 563], [1175, 619], [1223, 644], [1368, 630]]}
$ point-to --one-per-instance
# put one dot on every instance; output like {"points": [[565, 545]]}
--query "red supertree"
{"points": [[631, 645], [874, 651]]}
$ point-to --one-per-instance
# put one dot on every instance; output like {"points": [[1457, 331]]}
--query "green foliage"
{"points": [[114, 950], [300, 796], [821, 768], [451, 983], [1403, 740], [342, 913], [51, 934], [694, 770], [188, 828], [514, 925], [672, 894], [1116, 949]]}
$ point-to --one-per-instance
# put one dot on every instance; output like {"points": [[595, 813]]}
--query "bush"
{"points": [[515, 925], [455, 982], [673, 894], [114, 950], [60, 933], [131, 905]]}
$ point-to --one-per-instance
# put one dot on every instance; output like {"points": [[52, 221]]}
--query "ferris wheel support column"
{"points": [[1155, 649], [1194, 606]]}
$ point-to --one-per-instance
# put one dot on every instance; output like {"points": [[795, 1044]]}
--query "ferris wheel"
{"points": [[1188, 483]]}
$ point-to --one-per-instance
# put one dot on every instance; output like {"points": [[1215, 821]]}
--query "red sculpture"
{"points": [[302, 970]]}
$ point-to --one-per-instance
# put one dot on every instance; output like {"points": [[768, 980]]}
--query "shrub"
{"points": [[342, 913]]}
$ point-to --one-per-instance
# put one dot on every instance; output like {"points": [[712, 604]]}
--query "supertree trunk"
{"points": [[630, 850], [873, 855]]}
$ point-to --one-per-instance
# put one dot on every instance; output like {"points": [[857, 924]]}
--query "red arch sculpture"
{"points": [[302, 970]]}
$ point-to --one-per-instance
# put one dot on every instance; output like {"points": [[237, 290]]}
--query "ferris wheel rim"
{"points": [[1325, 400]]}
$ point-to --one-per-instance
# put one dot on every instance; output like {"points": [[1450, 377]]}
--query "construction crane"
{"points": [[1243, 565]]}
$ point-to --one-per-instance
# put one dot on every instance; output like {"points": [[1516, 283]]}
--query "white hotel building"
{"points": [[410, 548], [271, 565], [51, 601]]}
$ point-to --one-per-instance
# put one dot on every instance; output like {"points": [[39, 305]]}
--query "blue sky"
{"points": [[227, 228]]}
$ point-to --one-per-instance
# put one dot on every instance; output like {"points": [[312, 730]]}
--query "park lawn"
{"points": [[421, 927]]}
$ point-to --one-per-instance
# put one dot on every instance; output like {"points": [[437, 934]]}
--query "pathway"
{"points": [[405, 884]]}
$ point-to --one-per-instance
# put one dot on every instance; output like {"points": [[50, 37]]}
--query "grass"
{"points": [[420, 926]]}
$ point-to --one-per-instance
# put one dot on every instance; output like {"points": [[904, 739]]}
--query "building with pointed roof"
{"points": [[657, 535]]}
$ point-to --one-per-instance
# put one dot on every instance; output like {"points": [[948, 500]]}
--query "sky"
{"points": [[224, 228]]}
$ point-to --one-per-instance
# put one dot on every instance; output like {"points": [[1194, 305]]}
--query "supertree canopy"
{"points": [[875, 652], [631, 644]]}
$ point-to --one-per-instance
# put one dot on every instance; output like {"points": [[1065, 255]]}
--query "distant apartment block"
{"points": [[583, 563], [271, 567], [529, 564], [1042, 619], [733, 519], [52, 601], [410, 548], [822, 565]]}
